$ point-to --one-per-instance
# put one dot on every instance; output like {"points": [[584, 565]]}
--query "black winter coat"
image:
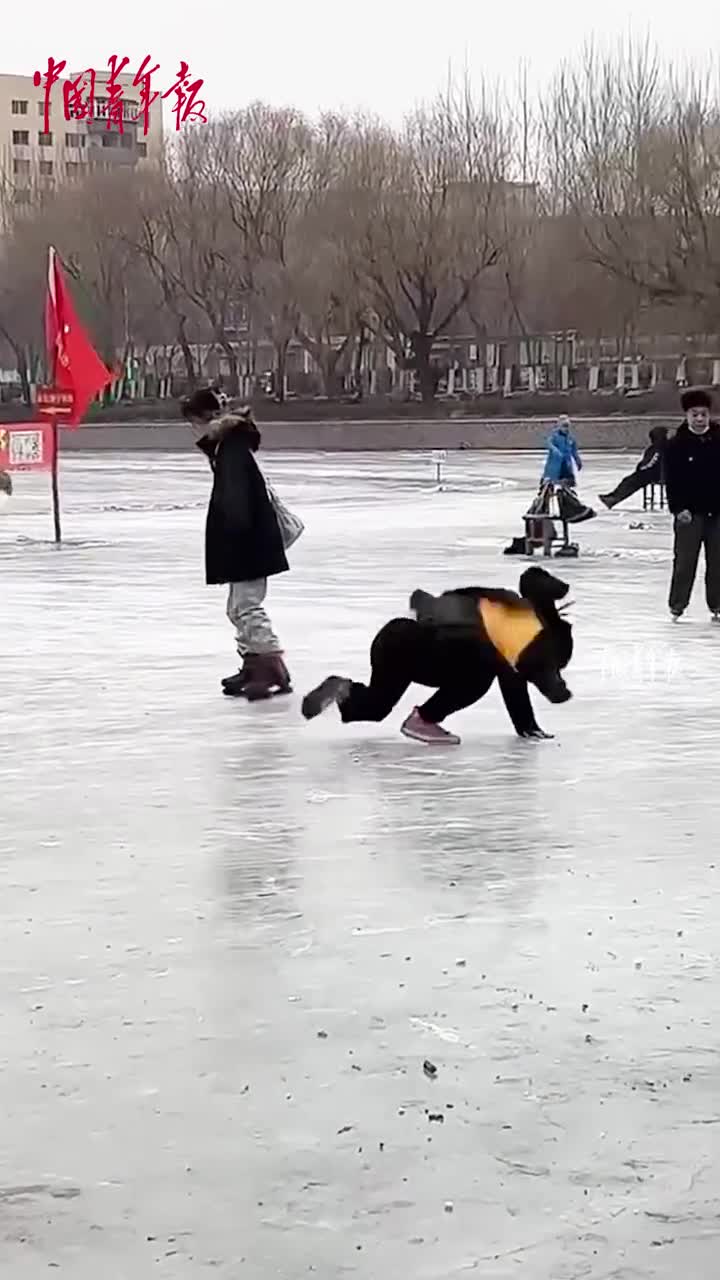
{"points": [[653, 457], [242, 535], [692, 471]]}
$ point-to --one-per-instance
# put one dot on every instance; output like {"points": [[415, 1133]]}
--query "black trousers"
{"points": [[702, 531], [630, 484], [459, 668]]}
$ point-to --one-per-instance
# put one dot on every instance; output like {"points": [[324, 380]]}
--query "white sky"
{"points": [[381, 55]]}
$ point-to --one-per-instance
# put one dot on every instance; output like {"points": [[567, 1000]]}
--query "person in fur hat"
{"points": [[243, 541], [692, 483]]}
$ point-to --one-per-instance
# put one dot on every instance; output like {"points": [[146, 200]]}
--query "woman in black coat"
{"points": [[243, 542]]}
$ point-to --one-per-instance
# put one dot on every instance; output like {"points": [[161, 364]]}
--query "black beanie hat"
{"points": [[202, 401], [696, 398]]}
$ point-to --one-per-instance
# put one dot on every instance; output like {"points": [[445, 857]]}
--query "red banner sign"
{"points": [[26, 446], [49, 400]]}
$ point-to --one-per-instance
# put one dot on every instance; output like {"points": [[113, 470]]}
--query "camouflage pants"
{"points": [[252, 625]]}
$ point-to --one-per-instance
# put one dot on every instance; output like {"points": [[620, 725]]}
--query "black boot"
{"points": [[332, 689], [516, 548], [234, 684], [572, 510]]}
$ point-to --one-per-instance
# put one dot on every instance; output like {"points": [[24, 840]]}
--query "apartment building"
{"points": [[30, 155]]}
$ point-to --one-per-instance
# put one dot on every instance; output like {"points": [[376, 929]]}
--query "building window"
{"points": [[41, 108], [19, 107], [21, 166], [103, 106], [22, 195], [125, 140], [73, 169], [45, 140], [142, 149], [75, 139], [110, 139], [46, 168], [21, 138]]}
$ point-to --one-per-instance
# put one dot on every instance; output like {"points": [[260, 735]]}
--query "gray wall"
{"points": [[489, 433]]}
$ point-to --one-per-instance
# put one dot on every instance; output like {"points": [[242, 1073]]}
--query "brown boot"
{"points": [[268, 676]]}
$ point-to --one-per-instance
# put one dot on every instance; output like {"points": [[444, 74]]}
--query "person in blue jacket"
{"points": [[562, 464], [558, 480], [563, 459]]}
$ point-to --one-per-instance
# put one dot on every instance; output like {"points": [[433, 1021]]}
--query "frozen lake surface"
{"points": [[231, 938]]}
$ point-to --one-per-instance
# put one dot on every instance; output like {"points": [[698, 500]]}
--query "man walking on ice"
{"points": [[692, 482]]}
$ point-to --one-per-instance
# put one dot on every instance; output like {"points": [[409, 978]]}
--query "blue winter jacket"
{"points": [[563, 457]]}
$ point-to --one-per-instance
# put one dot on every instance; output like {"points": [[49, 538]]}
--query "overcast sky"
{"points": [[382, 55]]}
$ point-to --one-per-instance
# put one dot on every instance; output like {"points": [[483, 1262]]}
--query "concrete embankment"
{"points": [[354, 437]]}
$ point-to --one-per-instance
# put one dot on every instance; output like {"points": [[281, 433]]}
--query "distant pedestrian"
{"points": [[692, 481], [562, 464], [563, 459], [556, 495], [244, 544], [649, 470]]}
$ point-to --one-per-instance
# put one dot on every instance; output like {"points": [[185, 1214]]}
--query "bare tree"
{"points": [[597, 209], [632, 154], [425, 218], [85, 222], [274, 168], [190, 239], [22, 275], [328, 300], [23, 271], [154, 240]]}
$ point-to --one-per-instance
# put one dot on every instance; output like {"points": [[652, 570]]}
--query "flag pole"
{"points": [[52, 303], [54, 482], [75, 371]]}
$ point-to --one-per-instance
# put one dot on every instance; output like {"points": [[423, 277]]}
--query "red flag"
{"points": [[74, 364]]}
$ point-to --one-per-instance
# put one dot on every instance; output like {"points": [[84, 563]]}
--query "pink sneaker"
{"points": [[422, 731]]}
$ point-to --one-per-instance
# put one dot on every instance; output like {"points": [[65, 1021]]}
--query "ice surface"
{"points": [[231, 938]]}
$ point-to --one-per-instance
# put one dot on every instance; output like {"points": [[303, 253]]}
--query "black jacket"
{"points": [[692, 471], [242, 535], [654, 455]]}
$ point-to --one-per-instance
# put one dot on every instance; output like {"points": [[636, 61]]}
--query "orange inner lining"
{"points": [[510, 628]]}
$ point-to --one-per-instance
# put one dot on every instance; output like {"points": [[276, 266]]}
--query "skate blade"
{"points": [[263, 697], [436, 742]]}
